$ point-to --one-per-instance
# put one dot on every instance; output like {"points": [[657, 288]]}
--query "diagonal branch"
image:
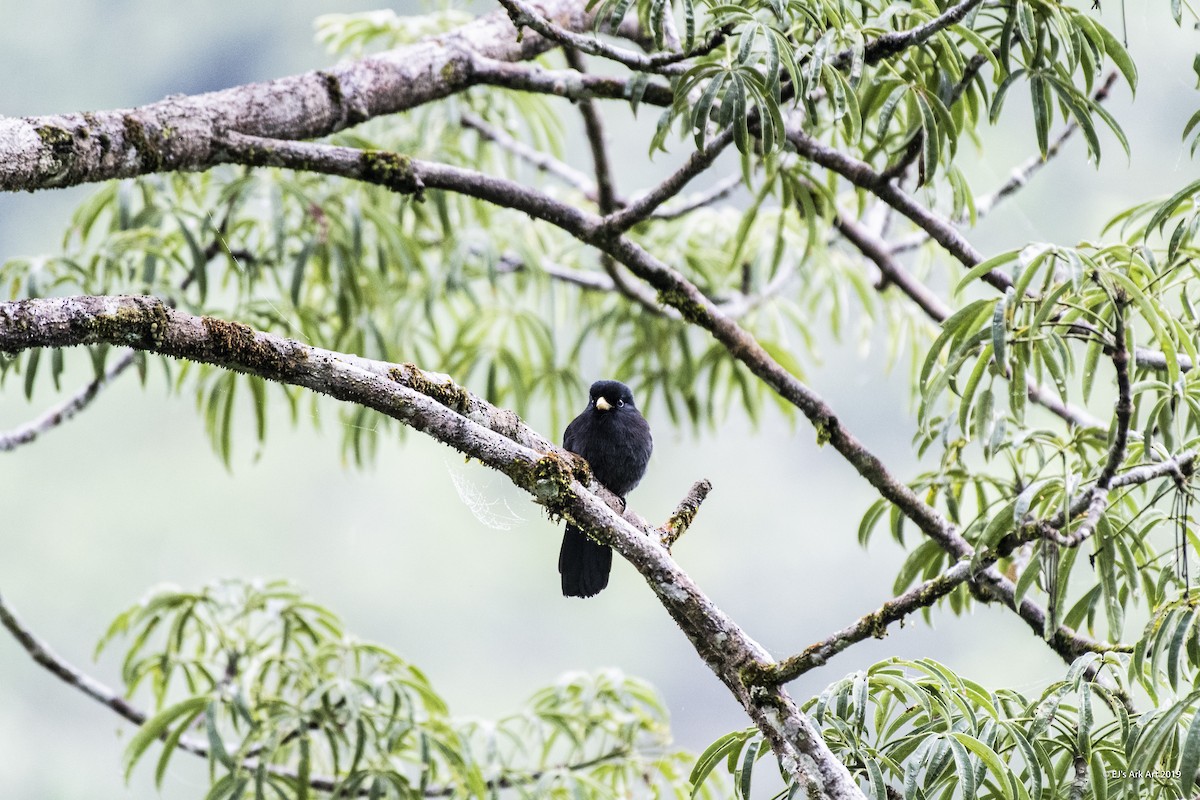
{"points": [[411, 176], [643, 206], [684, 514], [60, 413], [889, 44], [555, 479], [687, 205]]}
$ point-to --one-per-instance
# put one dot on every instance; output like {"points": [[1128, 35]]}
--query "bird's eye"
{"points": [[620, 402]]}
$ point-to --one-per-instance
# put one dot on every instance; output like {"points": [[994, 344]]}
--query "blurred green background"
{"points": [[130, 494]]}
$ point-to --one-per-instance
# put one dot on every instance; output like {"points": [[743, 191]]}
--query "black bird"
{"points": [[615, 439]]}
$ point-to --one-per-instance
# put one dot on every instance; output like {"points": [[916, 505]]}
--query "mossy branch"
{"points": [[446, 412]]}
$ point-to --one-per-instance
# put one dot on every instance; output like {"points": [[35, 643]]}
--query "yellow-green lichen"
{"points": [[678, 299], [549, 479], [236, 345], [449, 394], [392, 170]]}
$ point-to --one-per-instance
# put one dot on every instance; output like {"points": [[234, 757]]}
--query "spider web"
{"points": [[491, 511]]}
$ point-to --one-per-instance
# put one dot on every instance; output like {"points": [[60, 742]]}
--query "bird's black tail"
{"points": [[583, 563]]}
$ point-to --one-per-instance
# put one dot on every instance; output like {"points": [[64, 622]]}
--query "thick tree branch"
{"points": [[180, 132], [411, 176], [870, 625], [553, 477], [61, 412]]}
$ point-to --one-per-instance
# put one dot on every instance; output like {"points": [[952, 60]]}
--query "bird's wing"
{"points": [[573, 433]]}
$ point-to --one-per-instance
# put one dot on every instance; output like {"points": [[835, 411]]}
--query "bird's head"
{"points": [[611, 395]]}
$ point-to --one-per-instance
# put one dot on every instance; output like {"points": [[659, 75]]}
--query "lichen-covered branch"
{"points": [[554, 478], [61, 412], [874, 624], [181, 132], [411, 176]]}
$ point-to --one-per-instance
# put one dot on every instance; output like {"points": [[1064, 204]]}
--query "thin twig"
{"points": [[523, 16], [644, 205], [61, 412], [564, 82], [687, 205], [539, 160], [606, 191]]}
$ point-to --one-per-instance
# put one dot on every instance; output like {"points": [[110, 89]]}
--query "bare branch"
{"points": [[870, 625], [643, 206], [685, 512], [889, 44], [179, 133], [591, 281], [524, 16], [687, 205], [894, 274], [564, 83], [406, 175], [861, 174], [60, 413], [539, 160]]}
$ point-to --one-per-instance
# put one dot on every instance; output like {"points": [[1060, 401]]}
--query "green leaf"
{"points": [[1189, 758], [156, 727]]}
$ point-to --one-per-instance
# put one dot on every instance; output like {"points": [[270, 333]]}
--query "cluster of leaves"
{"points": [[1005, 465], [283, 701], [912, 98], [915, 729]]}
